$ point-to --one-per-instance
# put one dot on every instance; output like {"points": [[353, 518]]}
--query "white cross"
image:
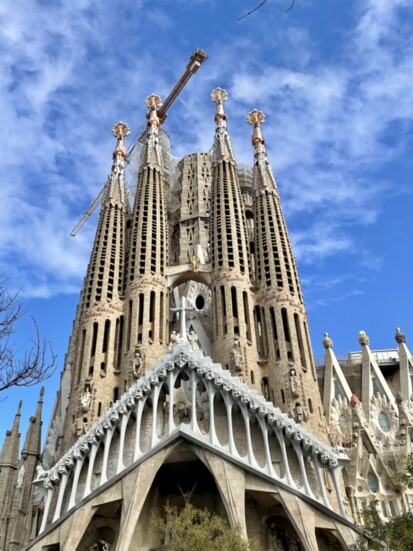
{"points": [[183, 309]]}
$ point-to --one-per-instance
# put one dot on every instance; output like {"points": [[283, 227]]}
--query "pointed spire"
{"points": [[120, 130], [263, 175], [10, 451], [33, 435], [222, 144], [116, 184], [152, 153]]}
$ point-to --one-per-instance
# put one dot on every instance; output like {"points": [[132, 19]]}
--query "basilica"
{"points": [[190, 376]]}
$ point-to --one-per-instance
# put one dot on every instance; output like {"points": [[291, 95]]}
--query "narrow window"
{"points": [[128, 334], [252, 378], [247, 314], [94, 339], [161, 318], [115, 394], [106, 336], [300, 341], [285, 324]]}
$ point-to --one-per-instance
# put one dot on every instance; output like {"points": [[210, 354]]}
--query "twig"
{"points": [[292, 5], [252, 11]]}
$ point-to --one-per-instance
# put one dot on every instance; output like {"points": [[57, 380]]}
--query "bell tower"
{"points": [[280, 316]]}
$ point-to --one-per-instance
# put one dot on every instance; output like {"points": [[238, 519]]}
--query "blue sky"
{"points": [[335, 82]]}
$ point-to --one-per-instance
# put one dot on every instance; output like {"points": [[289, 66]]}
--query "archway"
{"points": [[182, 479]]}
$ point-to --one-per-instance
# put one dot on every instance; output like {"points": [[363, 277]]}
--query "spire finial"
{"points": [[363, 339], [256, 118], [41, 394], [327, 342], [399, 336], [153, 103], [219, 96], [120, 130]]}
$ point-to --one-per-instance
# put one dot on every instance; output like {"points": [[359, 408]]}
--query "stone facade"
{"points": [[190, 373]]}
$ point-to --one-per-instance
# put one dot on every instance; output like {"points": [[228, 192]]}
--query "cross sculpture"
{"points": [[183, 309]]}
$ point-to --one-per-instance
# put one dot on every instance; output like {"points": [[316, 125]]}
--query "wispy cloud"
{"points": [[72, 69]]}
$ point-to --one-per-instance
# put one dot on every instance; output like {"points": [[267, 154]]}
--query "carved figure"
{"points": [[40, 472], [295, 383], [85, 400], [193, 340], [137, 364], [100, 545], [20, 477], [195, 263], [238, 355]]}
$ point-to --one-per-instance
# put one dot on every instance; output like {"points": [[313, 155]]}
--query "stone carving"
{"points": [[20, 477], [100, 545], [238, 356], [175, 340], [193, 340], [213, 376], [295, 383], [327, 342], [399, 336], [137, 364], [183, 309], [195, 263], [85, 400], [363, 339]]}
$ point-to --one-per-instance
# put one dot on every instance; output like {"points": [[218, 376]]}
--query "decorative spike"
{"points": [[263, 175], [222, 143]]}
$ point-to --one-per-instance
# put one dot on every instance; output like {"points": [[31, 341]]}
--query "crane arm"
{"points": [[195, 62], [89, 211]]}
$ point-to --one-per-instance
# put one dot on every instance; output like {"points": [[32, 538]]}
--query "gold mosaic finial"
{"points": [[153, 102], [120, 130], [256, 118], [327, 342], [219, 95]]}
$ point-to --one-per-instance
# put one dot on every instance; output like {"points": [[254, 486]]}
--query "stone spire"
{"points": [[222, 150], [33, 436], [26, 470], [263, 175], [95, 346], [283, 342], [234, 338], [146, 336], [8, 472]]}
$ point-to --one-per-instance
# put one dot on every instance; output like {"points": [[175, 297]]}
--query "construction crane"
{"points": [[195, 62]]}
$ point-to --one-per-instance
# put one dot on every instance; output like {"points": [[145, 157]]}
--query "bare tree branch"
{"points": [[38, 362], [252, 11], [292, 5], [259, 6]]}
